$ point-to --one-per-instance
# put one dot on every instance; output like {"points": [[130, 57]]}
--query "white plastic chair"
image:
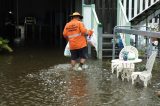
{"points": [[145, 75], [118, 66], [114, 65], [128, 68], [119, 69], [131, 49]]}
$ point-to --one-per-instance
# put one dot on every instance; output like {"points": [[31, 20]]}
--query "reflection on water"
{"points": [[44, 78], [77, 89]]}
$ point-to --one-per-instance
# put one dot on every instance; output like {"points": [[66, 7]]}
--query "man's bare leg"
{"points": [[82, 61], [73, 63]]}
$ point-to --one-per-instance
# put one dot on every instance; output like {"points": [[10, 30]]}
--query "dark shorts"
{"points": [[79, 53]]}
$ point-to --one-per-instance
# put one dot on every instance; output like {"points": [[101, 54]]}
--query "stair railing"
{"points": [[91, 21], [122, 20], [133, 9], [127, 10], [143, 6]]}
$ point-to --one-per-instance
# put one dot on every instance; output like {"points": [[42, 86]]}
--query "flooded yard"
{"points": [[42, 77]]}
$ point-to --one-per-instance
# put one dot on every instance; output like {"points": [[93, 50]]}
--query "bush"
{"points": [[4, 45]]}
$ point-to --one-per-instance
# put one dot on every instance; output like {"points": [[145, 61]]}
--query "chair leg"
{"points": [[117, 74], [145, 83], [125, 74], [149, 81], [122, 77], [113, 68], [132, 81], [145, 79], [129, 74], [118, 71], [133, 77], [128, 79]]}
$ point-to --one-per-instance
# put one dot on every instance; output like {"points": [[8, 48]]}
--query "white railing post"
{"points": [[152, 1], [146, 4], [153, 21], [125, 5], [100, 41], [91, 21], [135, 8], [122, 15], [130, 10], [141, 6], [118, 12], [87, 17]]}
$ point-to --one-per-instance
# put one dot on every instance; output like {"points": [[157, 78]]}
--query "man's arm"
{"points": [[65, 33], [84, 30]]}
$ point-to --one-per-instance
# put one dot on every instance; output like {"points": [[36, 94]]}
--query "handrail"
{"points": [[122, 20], [146, 33], [123, 11], [132, 27], [95, 15], [134, 30], [96, 26], [151, 5], [122, 17], [91, 21]]}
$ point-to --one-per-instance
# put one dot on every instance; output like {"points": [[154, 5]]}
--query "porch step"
{"points": [[107, 46], [106, 57], [107, 35], [110, 50]]}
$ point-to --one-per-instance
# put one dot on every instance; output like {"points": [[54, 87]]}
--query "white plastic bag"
{"points": [[67, 52], [92, 40]]}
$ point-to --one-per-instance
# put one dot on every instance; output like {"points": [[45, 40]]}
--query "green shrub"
{"points": [[4, 45]]}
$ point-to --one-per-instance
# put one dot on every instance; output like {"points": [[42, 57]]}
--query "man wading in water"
{"points": [[75, 32]]}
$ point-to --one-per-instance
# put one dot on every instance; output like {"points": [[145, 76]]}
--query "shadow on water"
{"points": [[43, 77]]}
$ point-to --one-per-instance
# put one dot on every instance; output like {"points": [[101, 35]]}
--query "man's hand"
{"points": [[90, 32]]}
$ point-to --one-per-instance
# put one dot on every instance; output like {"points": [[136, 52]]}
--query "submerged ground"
{"points": [[42, 77]]}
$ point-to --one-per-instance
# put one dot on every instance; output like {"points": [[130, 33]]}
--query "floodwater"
{"points": [[42, 77]]}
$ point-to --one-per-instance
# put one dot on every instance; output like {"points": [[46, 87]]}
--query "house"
{"points": [[41, 22]]}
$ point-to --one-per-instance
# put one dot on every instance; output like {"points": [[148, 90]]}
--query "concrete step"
{"points": [[107, 40], [107, 46], [107, 43], [108, 52], [109, 57], [107, 35], [110, 49]]}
